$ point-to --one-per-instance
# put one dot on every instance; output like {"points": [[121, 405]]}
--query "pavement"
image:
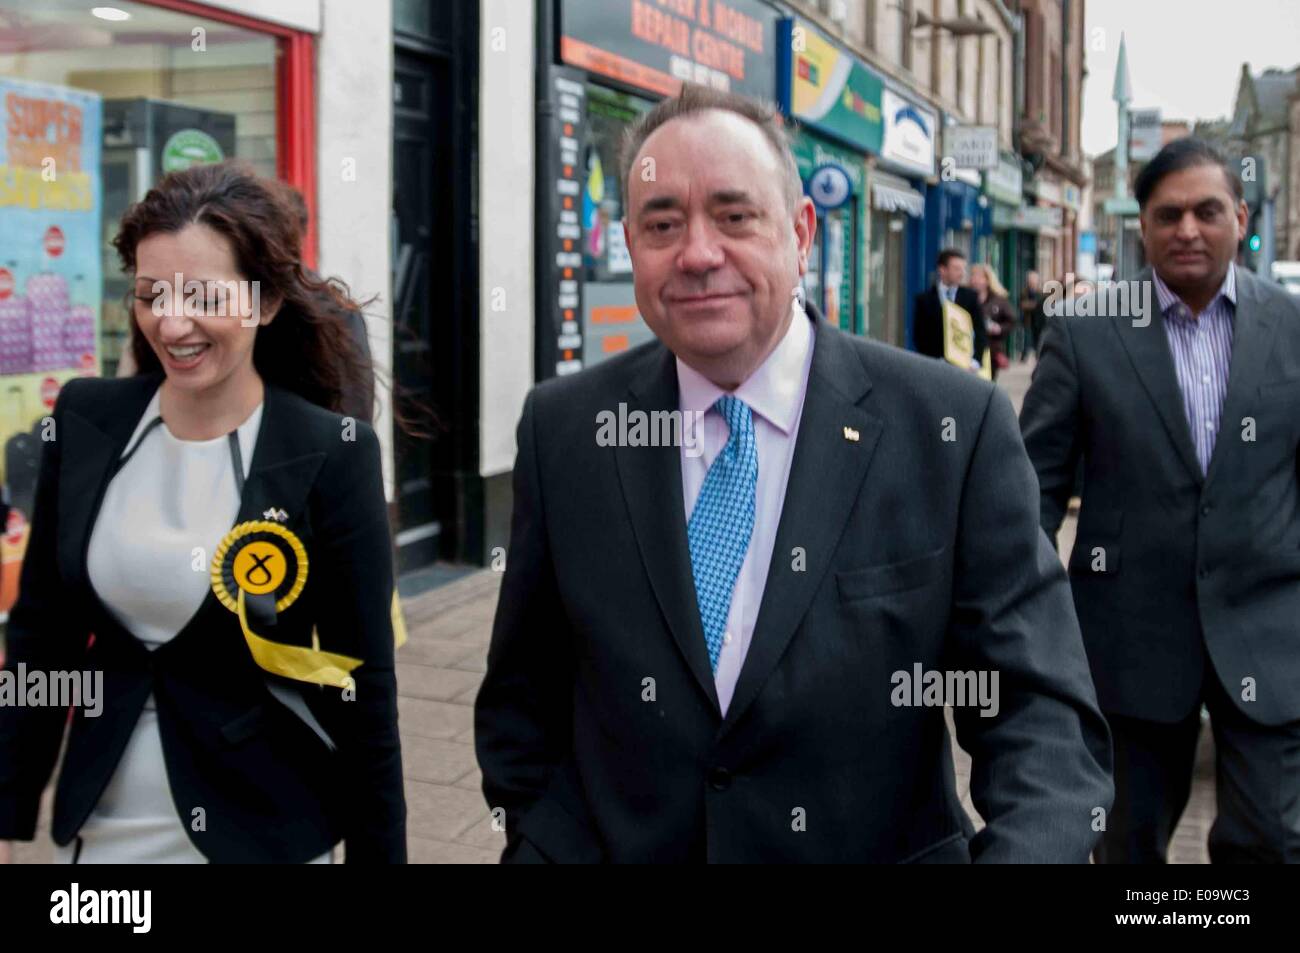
{"points": [[438, 674]]}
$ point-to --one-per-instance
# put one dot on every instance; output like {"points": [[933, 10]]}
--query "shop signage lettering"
{"points": [[909, 134], [656, 44], [828, 89], [43, 145]]}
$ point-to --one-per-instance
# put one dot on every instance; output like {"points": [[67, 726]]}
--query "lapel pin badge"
{"points": [[280, 516], [851, 435]]}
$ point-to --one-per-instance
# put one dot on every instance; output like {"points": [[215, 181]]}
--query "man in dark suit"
{"points": [[1032, 319], [927, 309], [1183, 399], [761, 682]]}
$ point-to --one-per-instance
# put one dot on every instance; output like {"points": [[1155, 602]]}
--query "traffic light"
{"points": [[1255, 242]]}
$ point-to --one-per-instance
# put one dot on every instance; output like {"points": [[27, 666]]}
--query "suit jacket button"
{"points": [[720, 779], [1205, 510]]}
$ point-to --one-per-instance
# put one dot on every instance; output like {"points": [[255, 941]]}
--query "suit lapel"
{"points": [[1252, 339], [90, 447], [651, 479], [1148, 350], [826, 477]]}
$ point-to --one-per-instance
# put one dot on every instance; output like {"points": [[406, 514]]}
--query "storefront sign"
{"points": [[1005, 181], [1121, 206], [189, 147], [1144, 134], [1047, 190], [827, 88], [656, 44], [811, 153], [829, 186], [1027, 217], [50, 243], [909, 134], [559, 225], [972, 147]]}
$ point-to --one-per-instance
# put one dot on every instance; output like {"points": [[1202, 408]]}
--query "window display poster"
{"points": [[50, 279]]}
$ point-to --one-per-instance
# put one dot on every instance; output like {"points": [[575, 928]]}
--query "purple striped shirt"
{"points": [[1201, 346]]}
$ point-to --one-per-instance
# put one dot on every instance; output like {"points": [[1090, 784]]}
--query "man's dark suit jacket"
{"points": [[271, 790], [1168, 561], [598, 726], [927, 321]]}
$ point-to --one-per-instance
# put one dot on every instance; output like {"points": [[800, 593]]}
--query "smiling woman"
{"points": [[221, 223], [222, 531]]}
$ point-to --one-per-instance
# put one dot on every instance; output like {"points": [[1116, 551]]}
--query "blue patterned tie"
{"points": [[722, 522]]}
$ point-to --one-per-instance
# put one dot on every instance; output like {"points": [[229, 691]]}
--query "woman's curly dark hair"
{"points": [[308, 348]]}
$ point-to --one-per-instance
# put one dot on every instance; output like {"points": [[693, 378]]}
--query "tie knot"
{"points": [[735, 412]]}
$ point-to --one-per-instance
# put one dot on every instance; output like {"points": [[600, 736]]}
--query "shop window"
{"points": [[94, 108], [611, 322], [115, 103]]}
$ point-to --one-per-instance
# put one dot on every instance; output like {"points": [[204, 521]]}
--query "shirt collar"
{"points": [[1168, 299], [772, 391]]}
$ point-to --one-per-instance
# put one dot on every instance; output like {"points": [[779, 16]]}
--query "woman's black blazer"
{"points": [[251, 781]]}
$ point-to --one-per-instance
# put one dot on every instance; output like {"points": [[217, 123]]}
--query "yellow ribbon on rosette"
{"points": [[259, 570]]}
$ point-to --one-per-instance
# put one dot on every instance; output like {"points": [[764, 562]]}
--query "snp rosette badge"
{"points": [[258, 571], [259, 558]]}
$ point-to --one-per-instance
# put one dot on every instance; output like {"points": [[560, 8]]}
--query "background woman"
{"points": [[999, 316]]}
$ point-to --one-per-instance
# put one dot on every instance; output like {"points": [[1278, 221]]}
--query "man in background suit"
{"points": [[1183, 400], [927, 309], [746, 685]]}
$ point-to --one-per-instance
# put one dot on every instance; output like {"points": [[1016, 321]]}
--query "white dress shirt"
{"points": [[775, 393]]}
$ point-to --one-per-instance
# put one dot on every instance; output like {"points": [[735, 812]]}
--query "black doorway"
{"points": [[435, 283]]}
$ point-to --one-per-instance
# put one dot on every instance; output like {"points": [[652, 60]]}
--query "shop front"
{"points": [[1056, 240], [98, 105], [835, 100], [1003, 187], [908, 166], [966, 222], [894, 204], [615, 60], [1037, 228]]}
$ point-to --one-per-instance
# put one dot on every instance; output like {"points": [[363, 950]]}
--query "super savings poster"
{"points": [[50, 281]]}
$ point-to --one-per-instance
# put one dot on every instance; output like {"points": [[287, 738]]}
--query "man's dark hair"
{"points": [[694, 99], [948, 254], [1182, 154]]}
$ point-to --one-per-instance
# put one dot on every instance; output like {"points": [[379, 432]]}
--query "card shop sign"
{"points": [[656, 44]]}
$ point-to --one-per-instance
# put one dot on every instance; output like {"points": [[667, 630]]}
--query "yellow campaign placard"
{"points": [[959, 340], [958, 335]]}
